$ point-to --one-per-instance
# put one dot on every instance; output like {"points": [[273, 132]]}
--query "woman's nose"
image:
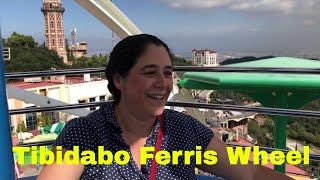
{"points": [[161, 80]]}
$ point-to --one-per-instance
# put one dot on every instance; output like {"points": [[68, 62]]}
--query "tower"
{"points": [[53, 26]]}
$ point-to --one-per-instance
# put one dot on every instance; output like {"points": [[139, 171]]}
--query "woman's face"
{"points": [[148, 84]]}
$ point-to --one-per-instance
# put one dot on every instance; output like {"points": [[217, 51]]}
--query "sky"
{"points": [[287, 27]]}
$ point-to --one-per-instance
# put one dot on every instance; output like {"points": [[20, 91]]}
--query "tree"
{"points": [[44, 119], [21, 128], [18, 40], [26, 55], [179, 61], [306, 129]]}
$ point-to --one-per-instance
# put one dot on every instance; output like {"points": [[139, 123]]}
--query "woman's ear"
{"points": [[117, 81]]}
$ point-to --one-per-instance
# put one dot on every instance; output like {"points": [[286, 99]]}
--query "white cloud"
{"points": [[212, 30], [297, 7], [253, 30], [195, 4], [309, 22]]}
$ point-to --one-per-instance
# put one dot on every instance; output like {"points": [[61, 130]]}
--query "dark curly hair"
{"points": [[124, 56]]}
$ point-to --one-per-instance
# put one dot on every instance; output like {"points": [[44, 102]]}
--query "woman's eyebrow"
{"points": [[149, 66], [168, 68]]}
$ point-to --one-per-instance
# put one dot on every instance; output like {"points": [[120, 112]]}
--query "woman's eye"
{"points": [[149, 73], [168, 73]]}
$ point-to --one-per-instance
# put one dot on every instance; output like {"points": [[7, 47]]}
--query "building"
{"points": [[53, 26], [66, 89], [6, 54], [79, 49], [204, 57]]}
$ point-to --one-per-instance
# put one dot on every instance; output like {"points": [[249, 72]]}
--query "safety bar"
{"points": [[175, 68], [261, 110]]}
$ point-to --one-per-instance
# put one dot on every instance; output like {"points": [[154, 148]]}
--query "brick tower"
{"points": [[53, 25]]}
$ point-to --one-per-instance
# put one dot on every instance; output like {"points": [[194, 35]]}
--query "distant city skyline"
{"points": [[287, 27]]}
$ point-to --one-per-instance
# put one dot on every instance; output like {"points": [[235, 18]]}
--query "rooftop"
{"points": [[67, 80]]}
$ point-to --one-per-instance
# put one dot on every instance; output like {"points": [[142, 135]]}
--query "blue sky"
{"points": [[287, 26]]}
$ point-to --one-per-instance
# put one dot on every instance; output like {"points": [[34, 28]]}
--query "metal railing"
{"points": [[175, 68], [261, 110]]}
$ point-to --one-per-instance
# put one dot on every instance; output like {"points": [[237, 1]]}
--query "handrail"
{"points": [[175, 68], [261, 110]]}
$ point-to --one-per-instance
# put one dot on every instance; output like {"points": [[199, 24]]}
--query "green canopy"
{"points": [[257, 81], [285, 90], [54, 128]]}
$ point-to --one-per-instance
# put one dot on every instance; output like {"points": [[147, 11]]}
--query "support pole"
{"points": [[280, 129], [6, 163]]}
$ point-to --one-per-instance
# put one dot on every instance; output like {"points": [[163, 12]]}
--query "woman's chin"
{"points": [[158, 111]]}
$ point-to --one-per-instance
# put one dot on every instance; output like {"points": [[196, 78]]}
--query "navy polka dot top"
{"points": [[100, 128]]}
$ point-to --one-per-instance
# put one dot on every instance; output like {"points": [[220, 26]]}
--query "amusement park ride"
{"points": [[106, 12]]}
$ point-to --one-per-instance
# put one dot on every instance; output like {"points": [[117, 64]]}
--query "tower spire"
{"points": [[53, 25]]}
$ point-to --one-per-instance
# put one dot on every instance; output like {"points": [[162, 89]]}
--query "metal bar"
{"points": [[54, 108], [175, 68], [261, 110], [7, 162], [249, 69], [53, 72], [42, 143]]}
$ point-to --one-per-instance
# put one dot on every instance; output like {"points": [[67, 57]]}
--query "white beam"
{"points": [[42, 101], [111, 16]]}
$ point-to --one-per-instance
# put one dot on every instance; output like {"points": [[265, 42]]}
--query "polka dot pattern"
{"points": [[100, 128]]}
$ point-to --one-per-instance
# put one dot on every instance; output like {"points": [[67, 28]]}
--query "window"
{"points": [[92, 100], [43, 92], [54, 117], [52, 42], [60, 42], [81, 101], [102, 98], [51, 24], [31, 120]]}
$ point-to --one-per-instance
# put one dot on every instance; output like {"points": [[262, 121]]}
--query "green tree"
{"points": [[262, 133], [239, 97], [44, 119], [18, 40], [21, 128], [27, 55], [306, 129], [180, 61]]}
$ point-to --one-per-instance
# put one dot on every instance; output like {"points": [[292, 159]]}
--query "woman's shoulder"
{"points": [[181, 120], [94, 120], [85, 132], [173, 115], [187, 130]]}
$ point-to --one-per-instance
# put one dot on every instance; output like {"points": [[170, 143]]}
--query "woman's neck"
{"points": [[133, 124]]}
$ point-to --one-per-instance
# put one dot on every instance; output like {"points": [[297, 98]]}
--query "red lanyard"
{"points": [[158, 146]]}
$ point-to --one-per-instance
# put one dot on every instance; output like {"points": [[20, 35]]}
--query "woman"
{"points": [[140, 78]]}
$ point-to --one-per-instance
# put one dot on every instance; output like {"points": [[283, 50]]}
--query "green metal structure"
{"points": [[290, 91]]}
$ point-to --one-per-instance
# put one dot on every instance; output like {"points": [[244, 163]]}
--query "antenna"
{"points": [[73, 36]]}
